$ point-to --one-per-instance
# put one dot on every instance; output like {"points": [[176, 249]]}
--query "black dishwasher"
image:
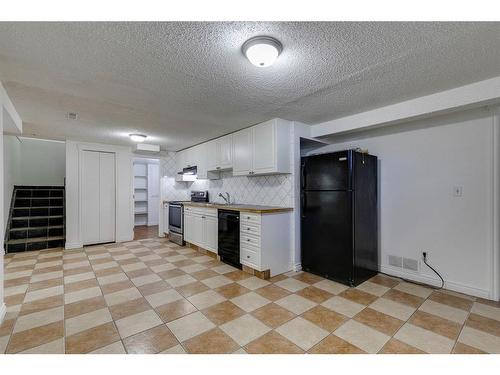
{"points": [[229, 237]]}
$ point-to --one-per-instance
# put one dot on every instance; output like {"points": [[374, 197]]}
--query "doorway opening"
{"points": [[146, 197]]}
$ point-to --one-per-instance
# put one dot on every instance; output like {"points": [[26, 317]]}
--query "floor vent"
{"points": [[36, 219]]}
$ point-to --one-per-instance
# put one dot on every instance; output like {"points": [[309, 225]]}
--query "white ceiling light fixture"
{"points": [[137, 137], [262, 51]]}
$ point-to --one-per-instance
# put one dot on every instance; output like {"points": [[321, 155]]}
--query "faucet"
{"points": [[228, 199]]}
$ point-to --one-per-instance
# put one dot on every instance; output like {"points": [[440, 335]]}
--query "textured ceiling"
{"points": [[183, 83]]}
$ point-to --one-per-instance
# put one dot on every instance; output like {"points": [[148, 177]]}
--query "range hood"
{"points": [[187, 174]]}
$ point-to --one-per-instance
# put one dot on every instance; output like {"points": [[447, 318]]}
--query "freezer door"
{"points": [[326, 234], [326, 171]]}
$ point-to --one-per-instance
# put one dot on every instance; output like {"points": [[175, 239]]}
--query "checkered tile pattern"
{"points": [[152, 296]]}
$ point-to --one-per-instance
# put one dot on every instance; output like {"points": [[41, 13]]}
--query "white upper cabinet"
{"points": [[262, 149], [219, 153], [225, 152], [211, 155], [180, 160], [258, 150], [242, 152]]}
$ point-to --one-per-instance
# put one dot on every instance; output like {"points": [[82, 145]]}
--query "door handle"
{"points": [[303, 205], [303, 176]]}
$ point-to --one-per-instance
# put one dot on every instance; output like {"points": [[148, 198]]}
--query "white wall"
{"points": [[43, 162], [9, 118], [31, 162], [2, 228], [11, 170], [419, 165], [124, 184]]}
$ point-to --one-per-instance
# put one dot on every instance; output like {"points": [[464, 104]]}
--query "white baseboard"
{"points": [[297, 267], [456, 287], [71, 246], [3, 311]]}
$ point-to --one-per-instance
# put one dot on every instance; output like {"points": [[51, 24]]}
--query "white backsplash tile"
{"points": [[274, 190]]}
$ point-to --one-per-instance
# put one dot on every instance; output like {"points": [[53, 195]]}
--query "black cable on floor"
{"points": [[432, 268], [419, 283]]}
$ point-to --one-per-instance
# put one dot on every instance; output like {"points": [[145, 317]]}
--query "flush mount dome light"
{"points": [[262, 51], [137, 137]]}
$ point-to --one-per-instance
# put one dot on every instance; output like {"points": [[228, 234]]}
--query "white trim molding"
{"points": [[450, 285], [3, 311], [495, 261], [470, 96]]}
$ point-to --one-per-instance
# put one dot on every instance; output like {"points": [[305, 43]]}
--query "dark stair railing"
{"points": [[36, 219]]}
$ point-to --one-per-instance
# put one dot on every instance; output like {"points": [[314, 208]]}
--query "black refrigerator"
{"points": [[339, 219]]}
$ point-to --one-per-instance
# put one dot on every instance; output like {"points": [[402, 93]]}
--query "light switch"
{"points": [[457, 191]]}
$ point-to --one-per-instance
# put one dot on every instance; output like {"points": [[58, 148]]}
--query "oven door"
{"points": [[175, 223]]}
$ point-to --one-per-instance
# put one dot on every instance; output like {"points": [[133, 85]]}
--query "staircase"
{"points": [[36, 219]]}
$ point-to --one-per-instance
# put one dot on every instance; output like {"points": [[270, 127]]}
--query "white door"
{"points": [[210, 233], [90, 175], [242, 152], [225, 152], [153, 193], [98, 197], [107, 191], [264, 144]]}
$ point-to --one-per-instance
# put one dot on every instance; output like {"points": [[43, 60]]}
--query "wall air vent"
{"points": [[72, 116], [411, 264], [147, 148], [395, 261]]}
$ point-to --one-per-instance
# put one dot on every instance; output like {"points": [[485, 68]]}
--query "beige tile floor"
{"points": [[152, 296]]}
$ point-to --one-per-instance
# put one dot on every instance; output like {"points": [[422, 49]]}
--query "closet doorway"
{"points": [[146, 197]]}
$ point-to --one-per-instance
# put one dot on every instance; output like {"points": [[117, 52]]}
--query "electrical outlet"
{"points": [[457, 191]]}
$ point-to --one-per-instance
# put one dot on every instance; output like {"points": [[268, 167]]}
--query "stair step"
{"points": [[29, 228], [36, 217], [26, 208], [36, 239]]}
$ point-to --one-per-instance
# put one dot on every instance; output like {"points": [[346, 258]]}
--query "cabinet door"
{"points": [[200, 160], [225, 152], [197, 230], [188, 227], [179, 161], [210, 229], [211, 155], [242, 152], [264, 147]]}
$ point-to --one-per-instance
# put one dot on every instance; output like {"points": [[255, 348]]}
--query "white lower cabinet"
{"points": [[265, 241], [201, 227]]}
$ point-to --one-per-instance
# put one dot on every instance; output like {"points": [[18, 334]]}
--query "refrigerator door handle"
{"points": [[303, 205], [303, 175]]}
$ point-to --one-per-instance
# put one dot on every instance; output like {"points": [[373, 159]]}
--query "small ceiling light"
{"points": [[137, 137], [262, 51]]}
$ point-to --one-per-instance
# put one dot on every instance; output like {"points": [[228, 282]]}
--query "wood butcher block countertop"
{"points": [[241, 207]]}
